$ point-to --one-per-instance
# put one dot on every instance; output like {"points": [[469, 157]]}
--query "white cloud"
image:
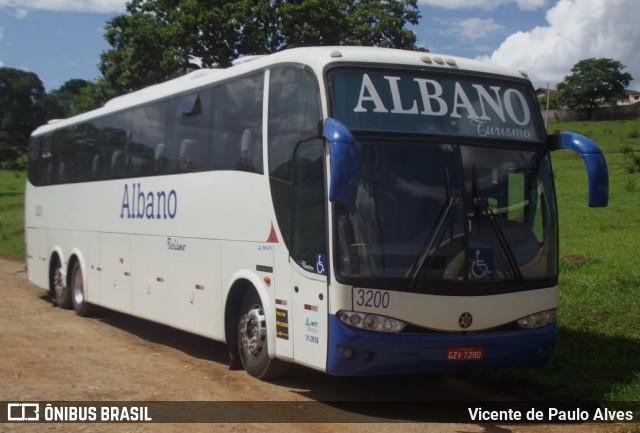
{"points": [[483, 4], [22, 7], [464, 4], [531, 5], [472, 28], [576, 30]]}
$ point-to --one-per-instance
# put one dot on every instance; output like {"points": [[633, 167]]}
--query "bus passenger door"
{"points": [[309, 256]]}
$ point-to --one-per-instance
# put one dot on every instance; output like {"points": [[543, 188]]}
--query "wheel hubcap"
{"points": [[253, 331], [78, 292], [58, 284]]}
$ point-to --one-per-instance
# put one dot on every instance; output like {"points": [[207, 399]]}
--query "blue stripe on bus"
{"points": [[355, 351]]}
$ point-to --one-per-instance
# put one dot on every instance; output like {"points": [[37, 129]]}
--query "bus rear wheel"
{"points": [[80, 304], [253, 342], [60, 291]]}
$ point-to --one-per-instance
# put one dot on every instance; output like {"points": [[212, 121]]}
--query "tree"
{"points": [[22, 109], [146, 49], [64, 102], [593, 82], [161, 39]]}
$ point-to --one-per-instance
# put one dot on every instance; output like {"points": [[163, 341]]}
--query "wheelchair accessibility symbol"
{"points": [[321, 260], [482, 264]]}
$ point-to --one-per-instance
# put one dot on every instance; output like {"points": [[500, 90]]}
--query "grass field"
{"points": [[12, 214], [597, 354]]}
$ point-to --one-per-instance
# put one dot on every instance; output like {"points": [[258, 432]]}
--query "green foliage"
{"points": [[631, 160], [146, 48], [555, 101], [593, 82], [161, 39], [25, 106], [596, 355], [12, 214], [22, 102], [66, 100]]}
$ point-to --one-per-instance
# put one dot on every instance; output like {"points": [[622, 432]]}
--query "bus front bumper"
{"points": [[354, 351]]}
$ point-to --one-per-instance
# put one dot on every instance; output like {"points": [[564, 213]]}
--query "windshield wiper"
{"points": [[484, 209], [432, 245]]}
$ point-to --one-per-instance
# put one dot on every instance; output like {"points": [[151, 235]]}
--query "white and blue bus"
{"points": [[355, 210]]}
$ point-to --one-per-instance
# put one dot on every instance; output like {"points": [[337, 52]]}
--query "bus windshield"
{"points": [[455, 210], [456, 214]]}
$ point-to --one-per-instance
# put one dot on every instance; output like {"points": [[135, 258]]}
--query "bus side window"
{"points": [[40, 160], [147, 130], [87, 147], [236, 142], [189, 132]]}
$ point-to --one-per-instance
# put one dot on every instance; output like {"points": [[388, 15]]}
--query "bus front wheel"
{"points": [[252, 341]]}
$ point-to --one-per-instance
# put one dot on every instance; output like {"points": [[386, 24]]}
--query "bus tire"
{"points": [[252, 341], [60, 293], [76, 288]]}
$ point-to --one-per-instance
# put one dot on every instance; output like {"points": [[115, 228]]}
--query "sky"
{"points": [[61, 40]]}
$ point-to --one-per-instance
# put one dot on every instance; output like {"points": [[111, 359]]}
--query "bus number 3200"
{"points": [[372, 298]]}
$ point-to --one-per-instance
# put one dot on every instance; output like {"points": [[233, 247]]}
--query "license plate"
{"points": [[473, 353]]}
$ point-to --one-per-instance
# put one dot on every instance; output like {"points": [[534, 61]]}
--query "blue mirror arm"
{"points": [[335, 131], [594, 161], [342, 146]]}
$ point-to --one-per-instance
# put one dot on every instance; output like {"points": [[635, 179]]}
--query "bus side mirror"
{"points": [[343, 187], [598, 176]]}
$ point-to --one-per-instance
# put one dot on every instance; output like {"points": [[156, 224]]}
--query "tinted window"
{"points": [[188, 147], [294, 113], [148, 142], [237, 125], [87, 150], [114, 145], [309, 228], [219, 128]]}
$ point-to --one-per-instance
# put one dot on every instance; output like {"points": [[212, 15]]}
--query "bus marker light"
{"points": [[373, 322], [267, 280], [346, 352]]}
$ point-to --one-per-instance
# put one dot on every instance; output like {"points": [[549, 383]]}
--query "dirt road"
{"points": [[49, 354]]}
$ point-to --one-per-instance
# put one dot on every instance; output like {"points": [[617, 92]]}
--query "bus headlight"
{"points": [[373, 322], [538, 320]]}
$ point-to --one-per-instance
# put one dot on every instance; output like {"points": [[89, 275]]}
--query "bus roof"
{"points": [[316, 57]]}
